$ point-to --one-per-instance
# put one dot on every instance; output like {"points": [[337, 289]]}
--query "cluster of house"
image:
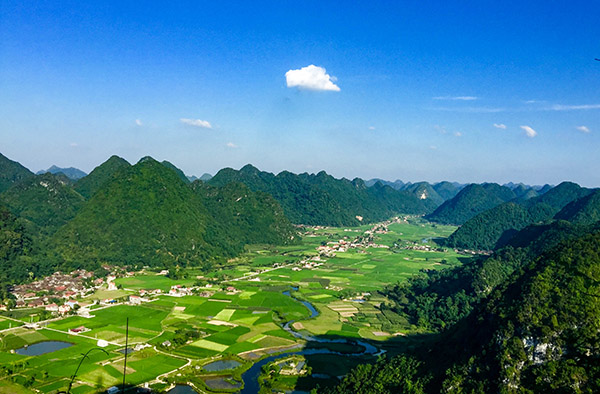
{"points": [[309, 264], [180, 291], [58, 285], [332, 247]]}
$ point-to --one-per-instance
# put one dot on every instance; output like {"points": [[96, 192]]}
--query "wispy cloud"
{"points": [[311, 78], [456, 98], [529, 132], [371, 127], [473, 110], [458, 134], [583, 129], [196, 123], [139, 122], [500, 126], [560, 107], [73, 144], [231, 145]]}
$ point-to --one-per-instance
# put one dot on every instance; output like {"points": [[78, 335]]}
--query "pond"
{"points": [[42, 348], [182, 389], [222, 383], [221, 365]]}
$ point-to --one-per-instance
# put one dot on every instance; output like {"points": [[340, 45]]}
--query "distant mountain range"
{"points": [[71, 172], [152, 213]]}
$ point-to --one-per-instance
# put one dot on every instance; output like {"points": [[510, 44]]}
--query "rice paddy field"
{"points": [[239, 318]]}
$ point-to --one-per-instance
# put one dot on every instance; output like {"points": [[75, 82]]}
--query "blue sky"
{"points": [[461, 91]]}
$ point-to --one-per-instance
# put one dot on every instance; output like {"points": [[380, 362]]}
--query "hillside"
{"points": [[324, 200], [447, 190], [44, 200], [585, 210], [494, 228], [424, 191], [89, 184], [538, 333], [15, 245], [534, 330], [243, 216], [11, 172], [470, 201], [146, 214]]}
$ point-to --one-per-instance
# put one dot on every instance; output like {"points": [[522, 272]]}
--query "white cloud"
{"points": [[583, 129], [197, 123], [433, 147], [475, 110], [74, 144], [231, 145], [311, 78], [457, 134], [500, 126], [559, 107], [529, 131], [456, 98], [139, 122], [371, 127]]}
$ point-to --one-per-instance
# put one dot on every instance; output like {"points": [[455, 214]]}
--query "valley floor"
{"points": [[325, 289]]}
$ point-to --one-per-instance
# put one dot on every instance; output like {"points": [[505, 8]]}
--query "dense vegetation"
{"points": [[89, 184], [324, 200], [16, 245], [11, 172], [148, 215], [470, 201], [495, 227], [531, 324], [46, 201], [438, 299]]}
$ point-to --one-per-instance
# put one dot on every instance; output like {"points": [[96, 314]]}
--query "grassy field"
{"points": [[195, 329]]}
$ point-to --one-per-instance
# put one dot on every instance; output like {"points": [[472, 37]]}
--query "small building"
{"points": [[135, 300], [64, 309], [52, 308]]}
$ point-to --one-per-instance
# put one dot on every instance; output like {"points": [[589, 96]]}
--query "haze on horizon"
{"points": [[469, 93]]}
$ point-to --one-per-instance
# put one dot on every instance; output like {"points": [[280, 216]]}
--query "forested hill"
{"points": [[470, 201], [523, 320], [89, 184], [146, 214], [46, 201], [537, 333], [324, 200], [495, 227], [11, 172]]}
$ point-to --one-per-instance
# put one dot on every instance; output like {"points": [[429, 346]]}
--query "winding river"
{"points": [[250, 377]]}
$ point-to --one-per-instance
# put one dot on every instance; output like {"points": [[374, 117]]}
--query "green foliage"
{"points": [[11, 172], [323, 200], [436, 300], [470, 201], [44, 200], [89, 184], [387, 376], [147, 214], [495, 227], [585, 210], [540, 331], [447, 190]]}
